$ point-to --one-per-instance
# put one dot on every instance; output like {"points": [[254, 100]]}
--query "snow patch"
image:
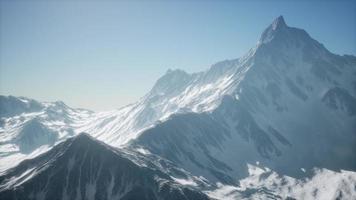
{"points": [[185, 181]]}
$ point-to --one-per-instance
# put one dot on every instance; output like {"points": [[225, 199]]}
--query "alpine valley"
{"points": [[277, 123]]}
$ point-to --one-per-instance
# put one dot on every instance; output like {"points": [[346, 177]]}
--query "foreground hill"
{"points": [[84, 168]]}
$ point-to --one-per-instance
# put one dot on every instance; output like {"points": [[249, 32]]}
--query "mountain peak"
{"points": [[84, 137], [278, 23], [171, 81], [280, 36]]}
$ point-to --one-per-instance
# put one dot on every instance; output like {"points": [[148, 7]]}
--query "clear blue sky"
{"points": [[106, 54]]}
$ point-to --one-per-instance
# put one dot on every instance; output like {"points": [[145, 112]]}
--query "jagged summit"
{"points": [[279, 39], [278, 23], [275, 28]]}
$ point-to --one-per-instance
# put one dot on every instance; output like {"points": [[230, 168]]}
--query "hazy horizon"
{"points": [[105, 55]]}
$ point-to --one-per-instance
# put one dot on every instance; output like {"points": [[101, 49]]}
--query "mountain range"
{"points": [[278, 123]]}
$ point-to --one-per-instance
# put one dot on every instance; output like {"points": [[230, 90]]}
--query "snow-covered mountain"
{"points": [[83, 168], [12, 106], [263, 183], [33, 127], [288, 106]]}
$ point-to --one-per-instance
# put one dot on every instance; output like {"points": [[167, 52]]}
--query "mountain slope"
{"points": [[262, 183], [290, 106], [83, 168]]}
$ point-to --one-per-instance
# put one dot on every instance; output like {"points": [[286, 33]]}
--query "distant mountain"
{"points": [[287, 107], [35, 128], [12, 106]]}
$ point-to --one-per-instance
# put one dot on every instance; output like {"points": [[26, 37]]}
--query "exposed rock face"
{"points": [[83, 168]]}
